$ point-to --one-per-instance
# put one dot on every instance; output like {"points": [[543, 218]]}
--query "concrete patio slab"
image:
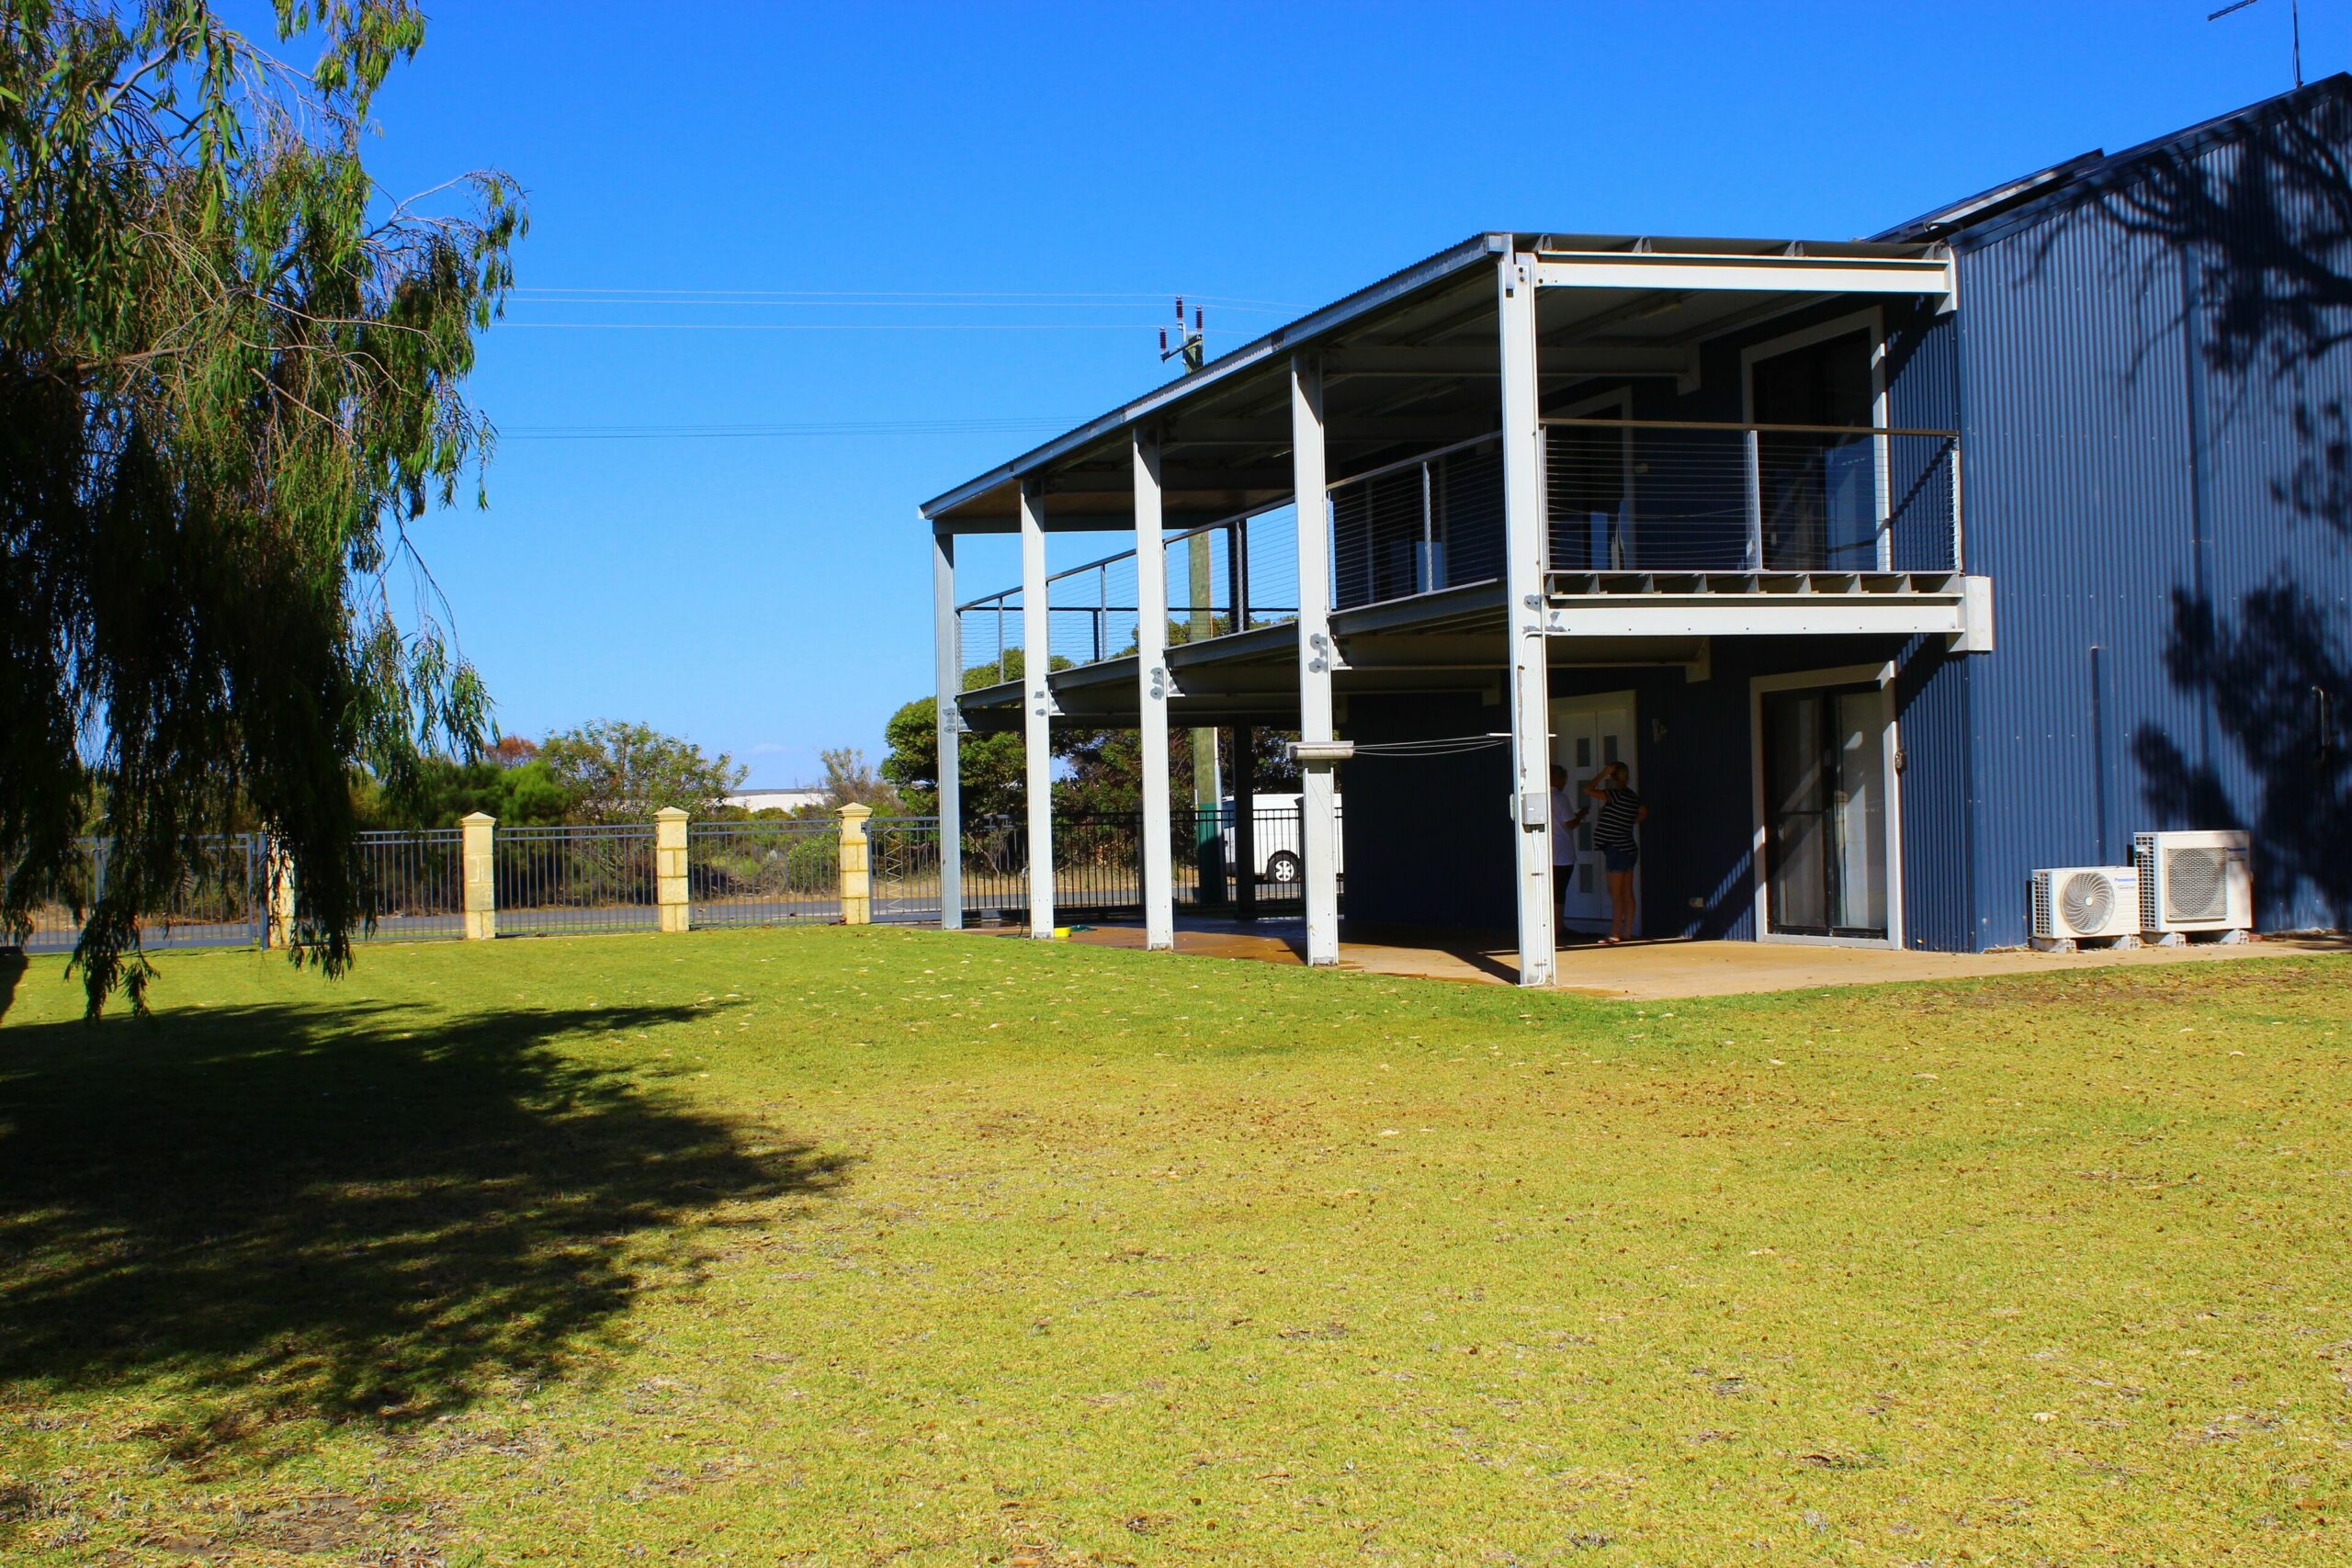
{"points": [[1664, 969]]}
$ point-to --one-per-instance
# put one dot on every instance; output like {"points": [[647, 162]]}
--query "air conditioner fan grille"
{"points": [[2087, 901], [2196, 885]]}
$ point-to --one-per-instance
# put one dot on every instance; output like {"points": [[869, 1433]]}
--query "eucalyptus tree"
{"points": [[231, 373]]}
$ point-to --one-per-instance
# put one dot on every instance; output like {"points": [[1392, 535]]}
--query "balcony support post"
{"points": [[1151, 674], [1319, 827], [1529, 685], [1038, 708], [947, 656], [1752, 448]]}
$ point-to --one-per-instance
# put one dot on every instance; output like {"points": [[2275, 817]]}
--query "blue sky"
{"points": [[921, 239]]}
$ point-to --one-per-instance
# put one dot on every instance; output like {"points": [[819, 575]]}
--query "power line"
{"points": [[837, 326], [915, 296], [715, 304], [709, 432]]}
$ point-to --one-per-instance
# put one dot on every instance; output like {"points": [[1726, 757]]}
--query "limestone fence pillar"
{"points": [[277, 868], [670, 867], [481, 889], [857, 868]]}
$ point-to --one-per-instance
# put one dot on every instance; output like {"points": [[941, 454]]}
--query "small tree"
{"points": [[988, 767], [849, 779], [625, 773], [512, 751]]}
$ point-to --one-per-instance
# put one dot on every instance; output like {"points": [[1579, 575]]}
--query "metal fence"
{"points": [[1657, 495], [762, 872], [412, 884], [1098, 864], [602, 878], [596, 878], [902, 854], [222, 902]]}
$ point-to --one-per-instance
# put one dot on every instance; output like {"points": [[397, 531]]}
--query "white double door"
{"points": [[1588, 734]]}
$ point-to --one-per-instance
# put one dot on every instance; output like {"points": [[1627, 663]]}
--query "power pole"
{"points": [[1208, 791]]}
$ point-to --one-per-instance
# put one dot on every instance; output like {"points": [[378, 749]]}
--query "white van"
{"points": [[1277, 845]]}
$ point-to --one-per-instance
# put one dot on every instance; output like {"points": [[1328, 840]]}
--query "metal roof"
{"points": [[1448, 296], [2020, 199]]}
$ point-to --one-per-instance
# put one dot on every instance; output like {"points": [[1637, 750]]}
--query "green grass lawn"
{"points": [[868, 1247]]}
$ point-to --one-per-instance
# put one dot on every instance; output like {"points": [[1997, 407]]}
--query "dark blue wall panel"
{"points": [[1932, 729], [1426, 838]]}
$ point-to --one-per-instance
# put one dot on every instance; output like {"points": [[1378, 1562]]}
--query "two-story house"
{"points": [[1893, 568]]}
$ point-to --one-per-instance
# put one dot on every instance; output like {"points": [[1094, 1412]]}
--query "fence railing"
{"points": [[596, 878], [1620, 495], [480, 879], [761, 873], [412, 884], [1098, 864], [222, 902], [1658, 495]]}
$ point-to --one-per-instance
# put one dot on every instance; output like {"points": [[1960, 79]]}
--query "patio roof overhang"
{"points": [[1412, 362]]}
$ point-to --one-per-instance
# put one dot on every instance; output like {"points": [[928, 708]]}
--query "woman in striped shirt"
{"points": [[1613, 834]]}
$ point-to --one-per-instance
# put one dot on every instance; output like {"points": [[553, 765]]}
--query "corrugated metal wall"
{"points": [[1932, 728], [2163, 603]]}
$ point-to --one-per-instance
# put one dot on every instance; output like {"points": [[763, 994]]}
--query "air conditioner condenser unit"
{"points": [[2190, 883], [2085, 903]]}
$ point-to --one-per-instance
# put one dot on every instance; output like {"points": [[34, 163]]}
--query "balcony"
{"points": [[1653, 528], [1632, 504]]}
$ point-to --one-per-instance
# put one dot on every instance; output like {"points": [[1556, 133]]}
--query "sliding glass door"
{"points": [[1825, 812]]}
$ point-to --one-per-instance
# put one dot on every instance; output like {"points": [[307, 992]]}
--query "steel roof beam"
{"points": [[1751, 273]]}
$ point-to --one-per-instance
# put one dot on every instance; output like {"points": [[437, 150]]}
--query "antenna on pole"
{"points": [[2295, 17], [1190, 343]]}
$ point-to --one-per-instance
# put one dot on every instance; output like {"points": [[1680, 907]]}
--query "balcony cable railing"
{"points": [[1231, 575], [1418, 525], [1622, 497], [1626, 495], [1403, 527]]}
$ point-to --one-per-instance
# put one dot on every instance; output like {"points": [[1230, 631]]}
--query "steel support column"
{"points": [[1152, 671], [1244, 822], [1038, 708], [948, 654], [1318, 817], [1530, 685]]}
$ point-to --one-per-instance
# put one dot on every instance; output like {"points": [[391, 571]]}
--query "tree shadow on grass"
{"points": [[372, 1213]]}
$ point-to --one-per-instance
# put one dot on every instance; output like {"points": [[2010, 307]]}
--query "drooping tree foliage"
{"points": [[230, 373]]}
